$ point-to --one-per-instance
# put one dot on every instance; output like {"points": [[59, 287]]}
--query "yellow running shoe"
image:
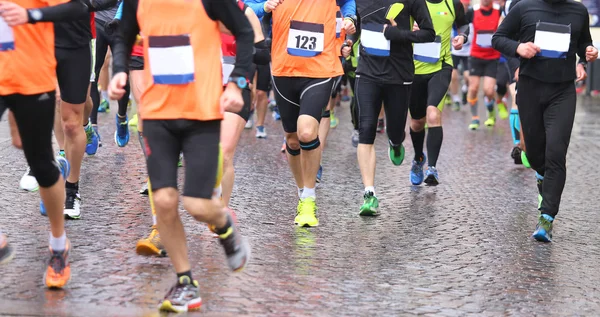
{"points": [[502, 112], [307, 213], [491, 120], [151, 245], [133, 122]]}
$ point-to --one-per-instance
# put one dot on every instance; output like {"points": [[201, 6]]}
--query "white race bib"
{"points": [[7, 38], [484, 39], [373, 40], [553, 39], [428, 52], [171, 59], [228, 66], [305, 39], [338, 24]]}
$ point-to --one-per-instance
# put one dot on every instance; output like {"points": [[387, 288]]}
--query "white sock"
{"points": [[104, 94], [456, 98], [308, 192], [154, 220], [58, 244], [370, 189], [300, 192]]}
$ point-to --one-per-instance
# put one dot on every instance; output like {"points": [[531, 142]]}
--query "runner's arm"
{"points": [[461, 22], [124, 40], [100, 5], [503, 40], [262, 56], [585, 40], [258, 6], [234, 20], [421, 15], [70, 11], [348, 8], [119, 13]]}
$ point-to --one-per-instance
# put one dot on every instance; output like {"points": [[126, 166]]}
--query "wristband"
{"points": [[34, 15]]}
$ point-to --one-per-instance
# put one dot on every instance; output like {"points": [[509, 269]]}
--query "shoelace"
{"points": [[57, 262], [70, 200], [230, 244]]}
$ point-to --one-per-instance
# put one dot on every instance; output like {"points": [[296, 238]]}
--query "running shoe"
{"points": [[144, 189], [235, 245], [95, 127], [184, 296], [250, 122], [516, 155], [7, 252], [333, 122], [307, 213], [474, 125], [370, 205], [28, 181], [58, 271], [72, 204], [64, 168], [431, 176], [396, 154], [272, 104], [320, 174], [525, 160], [122, 133], [261, 133], [502, 111], [456, 106], [416, 171], [151, 245], [92, 144], [543, 230], [180, 162], [491, 120], [276, 115], [447, 100], [464, 97], [283, 147], [355, 138], [134, 121], [380, 125], [104, 106]]}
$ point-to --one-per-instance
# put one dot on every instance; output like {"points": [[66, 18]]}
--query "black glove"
{"points": [[111, 27]]}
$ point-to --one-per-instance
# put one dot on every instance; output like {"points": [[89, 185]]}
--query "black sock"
{"points": [[223, 230], [69, 185], [417, 140], [186, 273], [434, 144]]}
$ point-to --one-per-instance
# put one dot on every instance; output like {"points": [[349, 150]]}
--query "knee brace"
{"points": [[292, 151], [326, 114], [309, 146]]}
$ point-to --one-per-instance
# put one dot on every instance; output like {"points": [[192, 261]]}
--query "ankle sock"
{"points": [[58, 244], [308, 192]]}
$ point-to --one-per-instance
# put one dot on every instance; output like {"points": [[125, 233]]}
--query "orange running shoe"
{"points": [[151, 245], [58, 272]]}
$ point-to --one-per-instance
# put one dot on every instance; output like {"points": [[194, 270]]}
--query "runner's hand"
{"points": [[271, 5], [347, 49], [13, 13], [458, 41], [517, 74], [528, 50], [392, 23], [581, 73], [415, 26], [231, 99], [116, 88], [349, 26], [591, 53]]}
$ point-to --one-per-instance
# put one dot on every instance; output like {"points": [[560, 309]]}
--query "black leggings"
{"points": [[547, 112], [503, 78], [369, 96], [353, 107], [34, 116], [103, 41]]}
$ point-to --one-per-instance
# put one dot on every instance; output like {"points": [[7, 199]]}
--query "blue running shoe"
{"points": [[319, 174], [416, 171], [92, 140], [543, 230], [276, 115], [65, 169], [95, 127], [104, 106], [345, 98], [122, 133], [431, 176]]}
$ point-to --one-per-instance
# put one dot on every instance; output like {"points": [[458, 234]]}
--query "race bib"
{"points": [[338, 24], [484, 39], [171, 59], [7, 38], [428, 52], [553, 39], [305, 39], [228, 66], [373, 40]]}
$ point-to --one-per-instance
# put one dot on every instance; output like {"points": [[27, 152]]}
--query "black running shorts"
{"points": [[429, 90], [73, 69], [483, 67]]}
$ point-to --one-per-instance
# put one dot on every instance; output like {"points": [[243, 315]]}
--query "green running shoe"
{"points": [[369, 207], [396, 154], [524, 160]]}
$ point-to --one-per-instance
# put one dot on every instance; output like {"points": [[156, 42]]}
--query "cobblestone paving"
{"points": [[462, 248]]}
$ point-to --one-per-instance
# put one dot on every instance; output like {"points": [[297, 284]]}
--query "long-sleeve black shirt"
{"points": [[399, 67], [226, 11], [77, 32], [521, 20]]}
